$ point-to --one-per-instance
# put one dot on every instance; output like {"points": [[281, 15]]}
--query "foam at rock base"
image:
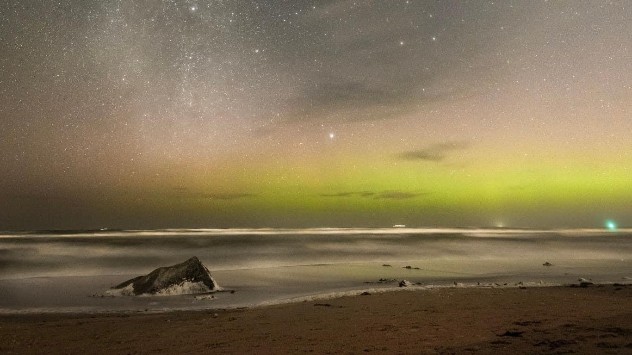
{"points": [[183, 288]]}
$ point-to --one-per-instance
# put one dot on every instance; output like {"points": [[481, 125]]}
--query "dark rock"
{"points": [[365, 293], [192, 271], [512, 333], [527, 323], [555, 344], [547, 264], [387, 280], [405, 283], [585, 282]]}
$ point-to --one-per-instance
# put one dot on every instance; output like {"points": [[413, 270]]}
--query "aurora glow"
{"points": [[245, 113]]}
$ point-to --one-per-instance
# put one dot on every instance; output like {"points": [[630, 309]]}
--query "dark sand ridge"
{"points": [[596, 319]]}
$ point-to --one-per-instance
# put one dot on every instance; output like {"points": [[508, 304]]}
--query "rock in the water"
{"points": [[405, 283], [585, 282], [547, 264], [188, 277]]}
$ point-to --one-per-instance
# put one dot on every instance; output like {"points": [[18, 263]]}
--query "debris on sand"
{"points": [[512, 333]]}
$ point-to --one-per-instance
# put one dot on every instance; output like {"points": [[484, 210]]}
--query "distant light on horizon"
{"points": [[611, 225]]}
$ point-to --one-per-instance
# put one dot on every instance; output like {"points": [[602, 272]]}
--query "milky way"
{"points": [[148, 114]]}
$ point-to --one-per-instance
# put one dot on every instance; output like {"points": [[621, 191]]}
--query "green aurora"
{"points": [[327, 114]]}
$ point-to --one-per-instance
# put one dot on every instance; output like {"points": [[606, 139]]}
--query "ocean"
{"points": [[70, 271]]}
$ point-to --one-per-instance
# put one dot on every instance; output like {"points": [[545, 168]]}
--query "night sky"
{"points": [[177, 113]]}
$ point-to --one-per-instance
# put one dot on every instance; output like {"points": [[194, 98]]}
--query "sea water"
{"points": [[69, 271]]}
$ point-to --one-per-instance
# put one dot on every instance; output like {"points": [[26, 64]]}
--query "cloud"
{"points": [[364, 100], [347, 99], [350, 194], [45, 196], [396, 195], [386, 195], [227, 196], [185, 192], [381, 63], [340, 194], [221, 196], [436, 152]]}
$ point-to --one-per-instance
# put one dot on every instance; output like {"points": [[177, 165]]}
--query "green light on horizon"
{"points": [[611, 225]]}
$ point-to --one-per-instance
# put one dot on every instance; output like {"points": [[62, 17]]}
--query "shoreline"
{"points": [[206, 304], [587, 319], [358, 291]]}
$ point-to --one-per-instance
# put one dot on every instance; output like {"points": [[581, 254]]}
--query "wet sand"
{"points": [[596, 319]]}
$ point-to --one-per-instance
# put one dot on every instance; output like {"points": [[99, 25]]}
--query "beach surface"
{"points": [[585, 320]]}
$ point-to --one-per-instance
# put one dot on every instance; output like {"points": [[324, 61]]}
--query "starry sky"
{"points": [[235, 113]]}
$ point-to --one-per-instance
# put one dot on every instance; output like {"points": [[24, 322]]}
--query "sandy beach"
{"points": [[595, 319]]}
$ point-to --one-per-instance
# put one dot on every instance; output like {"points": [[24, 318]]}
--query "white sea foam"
{"points": [[412, 287], [184, 288], [125, 291]]}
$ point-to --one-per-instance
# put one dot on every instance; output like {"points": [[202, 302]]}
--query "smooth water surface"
{"points": [[63, 271]]}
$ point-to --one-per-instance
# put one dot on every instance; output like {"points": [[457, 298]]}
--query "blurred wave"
{"points": [[108, 252]]}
